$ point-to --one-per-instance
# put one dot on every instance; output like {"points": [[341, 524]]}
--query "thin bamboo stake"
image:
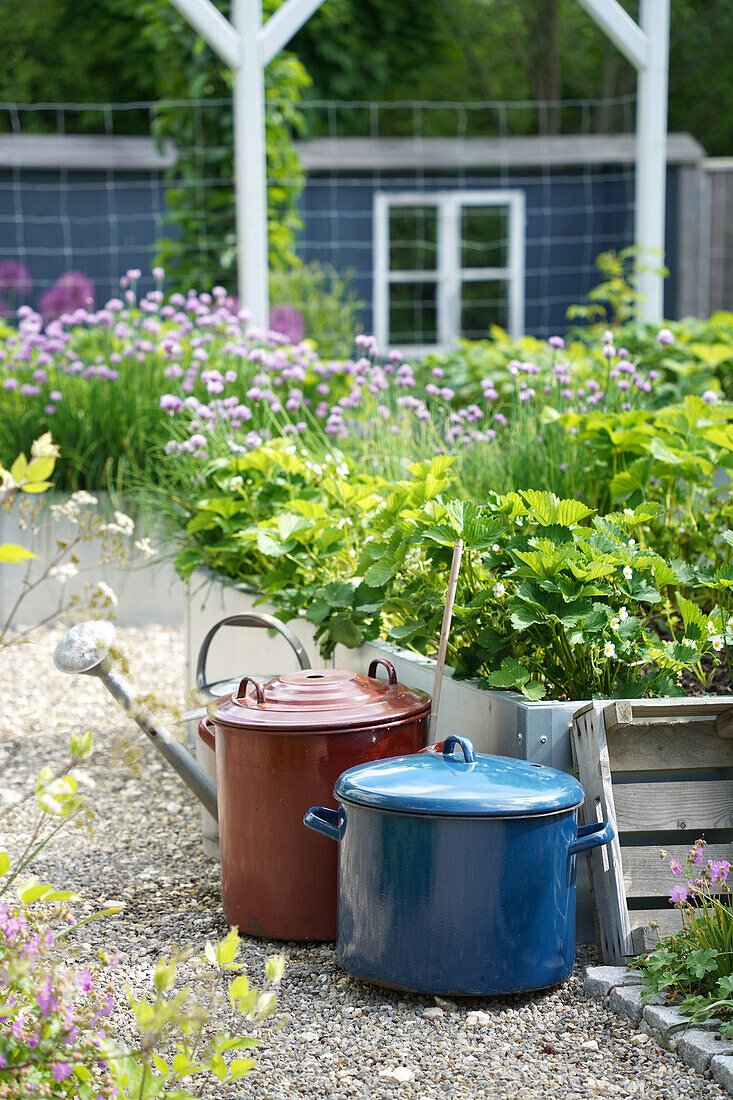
{"points": [[444, 633]]}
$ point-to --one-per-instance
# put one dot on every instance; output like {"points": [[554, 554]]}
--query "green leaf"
{"points": [[81, 747], [379, 572], [270, 546], [288, 524], [510, 675], [571, 512], [664, 454], [275, 968], [534, 690], [346, 632]]}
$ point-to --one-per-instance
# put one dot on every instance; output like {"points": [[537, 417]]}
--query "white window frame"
{"points": [[449, 274]]}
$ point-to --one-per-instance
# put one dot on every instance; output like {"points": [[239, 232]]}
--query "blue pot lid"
{"points": [[441, 781]]}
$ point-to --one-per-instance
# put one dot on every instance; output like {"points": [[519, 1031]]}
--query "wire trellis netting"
{"points": [[437, 219]]}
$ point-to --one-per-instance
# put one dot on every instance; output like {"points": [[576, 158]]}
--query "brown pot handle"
{"points": [[385, 664], [242, 690], [207, 734]]}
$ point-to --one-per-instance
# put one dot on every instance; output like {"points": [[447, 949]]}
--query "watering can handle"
{"points": [[253, 619]]}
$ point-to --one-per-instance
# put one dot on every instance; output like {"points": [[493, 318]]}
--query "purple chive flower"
{"points": [[170, 403], [665, 337], [556, 342], [289, 322], [158, 274], [71, 291], [15, 280], [49, 409], [710, 397]]}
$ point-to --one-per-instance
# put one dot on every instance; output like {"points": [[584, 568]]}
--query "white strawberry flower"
{"points": [[628, 572], [623, 614], [717, 643], [615, 623], [609, 650], [499, 589]]}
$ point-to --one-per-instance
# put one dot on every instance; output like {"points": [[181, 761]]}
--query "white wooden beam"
{"points": [[250, 164], [206, 18], [618, 25], [651, 158], [283, 24]]}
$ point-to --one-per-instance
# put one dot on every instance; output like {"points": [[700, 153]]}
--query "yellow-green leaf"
{"points": [[18, 469], [36, 486], [39, 469], [4, 862], [240, 1067], [11, 552]]}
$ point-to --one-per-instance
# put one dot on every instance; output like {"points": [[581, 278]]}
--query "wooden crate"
{"points": [[661, 772]]}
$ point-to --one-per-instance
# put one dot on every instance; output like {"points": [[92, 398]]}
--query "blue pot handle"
{"points": [[592, 836], [467, 746], [329, 823]]}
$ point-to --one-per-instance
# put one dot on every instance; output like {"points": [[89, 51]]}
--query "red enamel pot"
{"points": [[280, 747]]}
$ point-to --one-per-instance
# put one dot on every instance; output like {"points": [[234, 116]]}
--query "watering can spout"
{"points": [[84, 650]]}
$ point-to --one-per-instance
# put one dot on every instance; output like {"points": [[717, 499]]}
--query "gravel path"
{"points": [[335, 1037]]}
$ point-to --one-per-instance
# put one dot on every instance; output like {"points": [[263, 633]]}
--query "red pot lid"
{"points": [[319, 699]]}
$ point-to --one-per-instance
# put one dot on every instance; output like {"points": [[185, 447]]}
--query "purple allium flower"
{"points": [[665, 337], [71, 291], [15, 280], [710, 397], [10, 384], [289, 322], [556, 342], [49, 409], [158, 274]]}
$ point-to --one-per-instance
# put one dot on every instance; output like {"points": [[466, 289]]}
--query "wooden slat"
{"points": [[591, 754], [666, 746], [646, 875], [647, 807], [624, 712]]}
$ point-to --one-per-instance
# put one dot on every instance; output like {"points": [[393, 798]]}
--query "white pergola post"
{"points": [[246, 46], [647, 48]]}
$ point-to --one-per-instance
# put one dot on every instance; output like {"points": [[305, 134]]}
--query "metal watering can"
{"points": [[84, 650]]}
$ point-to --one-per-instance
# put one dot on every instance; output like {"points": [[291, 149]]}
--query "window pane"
{"points": [[483, 304], [413, 238], [413, 313], [484, 236]]}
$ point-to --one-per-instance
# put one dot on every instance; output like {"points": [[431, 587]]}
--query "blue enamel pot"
{"points": [[457, 871]]}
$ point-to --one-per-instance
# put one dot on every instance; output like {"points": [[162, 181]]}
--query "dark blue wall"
{"points": [[572, 216], [101, 223]]}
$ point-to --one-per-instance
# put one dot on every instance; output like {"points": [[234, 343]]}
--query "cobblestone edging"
{"points": [[701, 1047]]}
